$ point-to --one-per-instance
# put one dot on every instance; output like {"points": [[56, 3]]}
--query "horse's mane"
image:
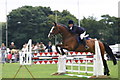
{"points": [[64, 26]]}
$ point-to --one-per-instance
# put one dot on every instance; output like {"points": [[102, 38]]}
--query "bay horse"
{"points": [[70, 43]]}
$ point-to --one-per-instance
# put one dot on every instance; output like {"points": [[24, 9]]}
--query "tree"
{"points": [[105, 29], [92, 26], [34, 23], [111, 29]]}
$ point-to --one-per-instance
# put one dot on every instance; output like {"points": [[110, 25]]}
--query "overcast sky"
{"points": [[86, 8]]}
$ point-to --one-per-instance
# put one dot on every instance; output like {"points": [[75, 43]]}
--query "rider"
{"points": [[77, 30]]}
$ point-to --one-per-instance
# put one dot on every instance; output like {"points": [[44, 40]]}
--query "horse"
{"points": [[70, 43]]}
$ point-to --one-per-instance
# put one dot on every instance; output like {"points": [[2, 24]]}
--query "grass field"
{"points": [[43, 71]]}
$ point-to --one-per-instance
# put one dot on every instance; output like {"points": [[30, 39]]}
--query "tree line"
{"points": [[34, 23]]}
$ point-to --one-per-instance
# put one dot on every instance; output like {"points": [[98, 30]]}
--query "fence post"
{"points": [[25, 56], [98, 63], [62, 64]]}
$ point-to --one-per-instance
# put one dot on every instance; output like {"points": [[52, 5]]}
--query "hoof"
{"points": [[115, 62], [106, 74]]}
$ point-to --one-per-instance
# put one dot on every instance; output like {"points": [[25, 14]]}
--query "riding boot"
{"points": [[79, 40]]}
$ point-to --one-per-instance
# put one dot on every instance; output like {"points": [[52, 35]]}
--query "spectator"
{"points": [[37, 47], [3, 51], [49, 47], [12, 46], [12, 51], [33, 47], [42, 47], [9, 57], [24, 46], [16, 56]]}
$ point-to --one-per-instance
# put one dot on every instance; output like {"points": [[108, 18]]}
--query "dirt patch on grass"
{"points": [[101, 76]]}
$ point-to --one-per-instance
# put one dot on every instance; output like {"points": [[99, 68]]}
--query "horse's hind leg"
{"points": [[106, 69]]}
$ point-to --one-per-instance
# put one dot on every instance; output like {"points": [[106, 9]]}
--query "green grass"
{"points": [[43, 71], [38, 71], [113, 69]]}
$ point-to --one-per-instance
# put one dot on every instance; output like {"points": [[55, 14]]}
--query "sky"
{"points": [[79, 8]]}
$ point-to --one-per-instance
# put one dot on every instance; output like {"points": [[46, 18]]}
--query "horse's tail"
{"points": [[110, 53]]}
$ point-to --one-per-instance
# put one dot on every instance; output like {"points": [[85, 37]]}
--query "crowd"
{"points": [[11, 54], [40, 47]]}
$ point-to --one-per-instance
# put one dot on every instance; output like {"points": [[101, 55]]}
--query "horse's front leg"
{"points": [[58, 45], [62, 51], [61, 48]]}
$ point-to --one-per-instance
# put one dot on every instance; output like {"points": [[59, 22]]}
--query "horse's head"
{"points": [[54, 31]]}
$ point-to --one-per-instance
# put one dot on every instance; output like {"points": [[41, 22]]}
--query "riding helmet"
{"points": [[70, 22]]}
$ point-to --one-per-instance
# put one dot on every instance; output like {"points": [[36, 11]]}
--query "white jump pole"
{"points": [[98, 63], [25, 56], [62, 64]]}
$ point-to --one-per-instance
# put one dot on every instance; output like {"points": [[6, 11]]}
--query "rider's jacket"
{"points": [[77, 30]]}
